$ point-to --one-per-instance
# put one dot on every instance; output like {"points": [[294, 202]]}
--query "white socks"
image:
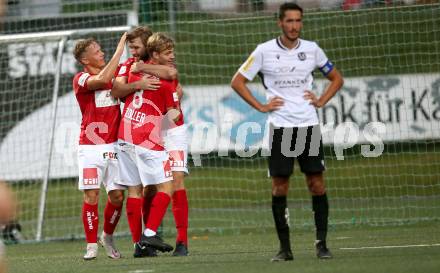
{"points": [[149, 233]]}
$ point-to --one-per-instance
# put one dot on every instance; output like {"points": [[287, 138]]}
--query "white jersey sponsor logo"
{"points": [[135, 115], [104, 99]]}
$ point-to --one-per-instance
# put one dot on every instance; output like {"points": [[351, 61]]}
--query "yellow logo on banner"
{"points": [[248, 63]]}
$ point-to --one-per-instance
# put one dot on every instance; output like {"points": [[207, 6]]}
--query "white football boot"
{"points": [[106, 241], [92, 251]]}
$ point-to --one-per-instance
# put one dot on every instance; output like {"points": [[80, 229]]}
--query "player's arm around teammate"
{"points": [[143, 115], [97, 157], [138, 206], [122, 88], [137, 39], [161, 71], [161, 51]]}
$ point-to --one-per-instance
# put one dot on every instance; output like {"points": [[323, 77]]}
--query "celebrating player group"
{"points": [[142, 150]]}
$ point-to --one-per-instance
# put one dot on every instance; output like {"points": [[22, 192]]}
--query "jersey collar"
{"points": [[278, 40]]}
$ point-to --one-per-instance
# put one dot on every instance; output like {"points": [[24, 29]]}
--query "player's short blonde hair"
{"points": [[142, 32], [159, 42], [81, 47]]}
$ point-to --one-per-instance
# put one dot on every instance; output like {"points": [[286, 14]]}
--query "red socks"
{"points": [[112, 214], [90, 222], [158, 209], [180, 212], [134, 217]]}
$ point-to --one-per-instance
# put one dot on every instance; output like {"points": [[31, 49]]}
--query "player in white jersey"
{"points": [[285, 65]]}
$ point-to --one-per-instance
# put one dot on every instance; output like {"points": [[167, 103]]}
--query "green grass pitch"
{"points": [[230, 195], [413, 250]]}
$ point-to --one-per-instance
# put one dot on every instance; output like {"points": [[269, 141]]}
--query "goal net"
{"points": [[381, 131]]}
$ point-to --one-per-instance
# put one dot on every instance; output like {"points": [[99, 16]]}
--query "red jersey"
{"points": [[124, 69], [180, 120], [100, 112], [144, 112]]}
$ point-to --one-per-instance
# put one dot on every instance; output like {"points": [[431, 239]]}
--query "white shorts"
{"points": [[138, 165], [176, 144], [98, 164]]}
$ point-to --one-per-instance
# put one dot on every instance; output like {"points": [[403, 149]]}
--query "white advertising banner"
{"points": [[367, 110], [407, 107]]}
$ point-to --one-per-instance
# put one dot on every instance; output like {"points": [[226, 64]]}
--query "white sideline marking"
{"points": [[385, 247], [141, 271]]}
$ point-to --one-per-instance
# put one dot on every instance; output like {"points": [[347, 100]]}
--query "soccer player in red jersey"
{"points": [[137, 206], [176, 144], [97, 156], [143, 159], [137, 39]]}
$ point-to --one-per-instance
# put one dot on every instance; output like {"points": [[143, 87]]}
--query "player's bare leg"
{"points": [[158, 209], [180, 212], [112, 213], [90, 222], [316, 185], [280, 188]]}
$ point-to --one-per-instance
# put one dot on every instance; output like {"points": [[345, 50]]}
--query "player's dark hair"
{"points": [[81, 46], [288, 6], [142, 32]]}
